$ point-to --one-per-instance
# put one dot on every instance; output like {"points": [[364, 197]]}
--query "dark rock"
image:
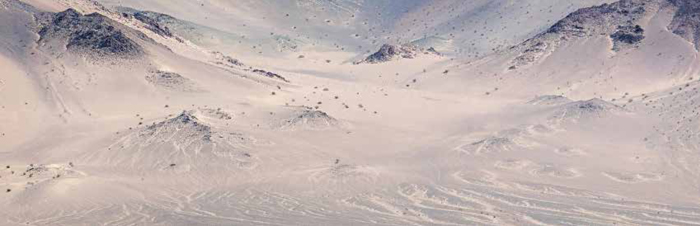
{"points": [[153, 24], [432, 50], [270, 74], [584, 21], [627, 35], [92, 33], [227, 61], [618, 20], [686, 21], [389, 52]]}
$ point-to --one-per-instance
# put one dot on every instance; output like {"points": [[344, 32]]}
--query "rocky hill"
{"points": [[686, 21], [390, 52], [89, 34], [619, 21]]}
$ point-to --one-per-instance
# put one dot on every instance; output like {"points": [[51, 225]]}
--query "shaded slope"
{"points": [[88, 34]]}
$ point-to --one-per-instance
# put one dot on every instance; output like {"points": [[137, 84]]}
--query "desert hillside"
{"points": [[349, 112]]}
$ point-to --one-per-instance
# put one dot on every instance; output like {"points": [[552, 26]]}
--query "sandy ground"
{"points": [[586, 136]]}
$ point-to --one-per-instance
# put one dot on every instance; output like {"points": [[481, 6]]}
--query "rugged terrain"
{"points": [[349, 112]]}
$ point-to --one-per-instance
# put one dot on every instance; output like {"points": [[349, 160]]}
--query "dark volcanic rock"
{"points": [[605, 17], [162, 24], [619, 21], [686, 21], [432, 51], [391, 52], [270, 74], [92, 34], [222, 59], [152, 23], [627, 35], [388, 52]]}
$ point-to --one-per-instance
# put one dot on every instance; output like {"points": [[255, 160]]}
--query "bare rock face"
{"points": [[152, 20], [603, 18], [156, 22], [686, 21], [226, 61], [627, 36], [90, 34], [388, 52], [392, 52], [619, 21]]}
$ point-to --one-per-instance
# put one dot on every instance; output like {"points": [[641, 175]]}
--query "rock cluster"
{"points": [[390, 52], [92, 34], [619, 21]]}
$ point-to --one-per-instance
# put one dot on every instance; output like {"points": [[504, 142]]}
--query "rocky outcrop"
{"points": [[619, 21], [392, 52], [158, 23], [603, 18], [686, 21], [230, 62], [178, 145], [389, 52], [309, 119], [270, 74], [89, 34], [152, 21], [185, 123], [627, 36]]}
